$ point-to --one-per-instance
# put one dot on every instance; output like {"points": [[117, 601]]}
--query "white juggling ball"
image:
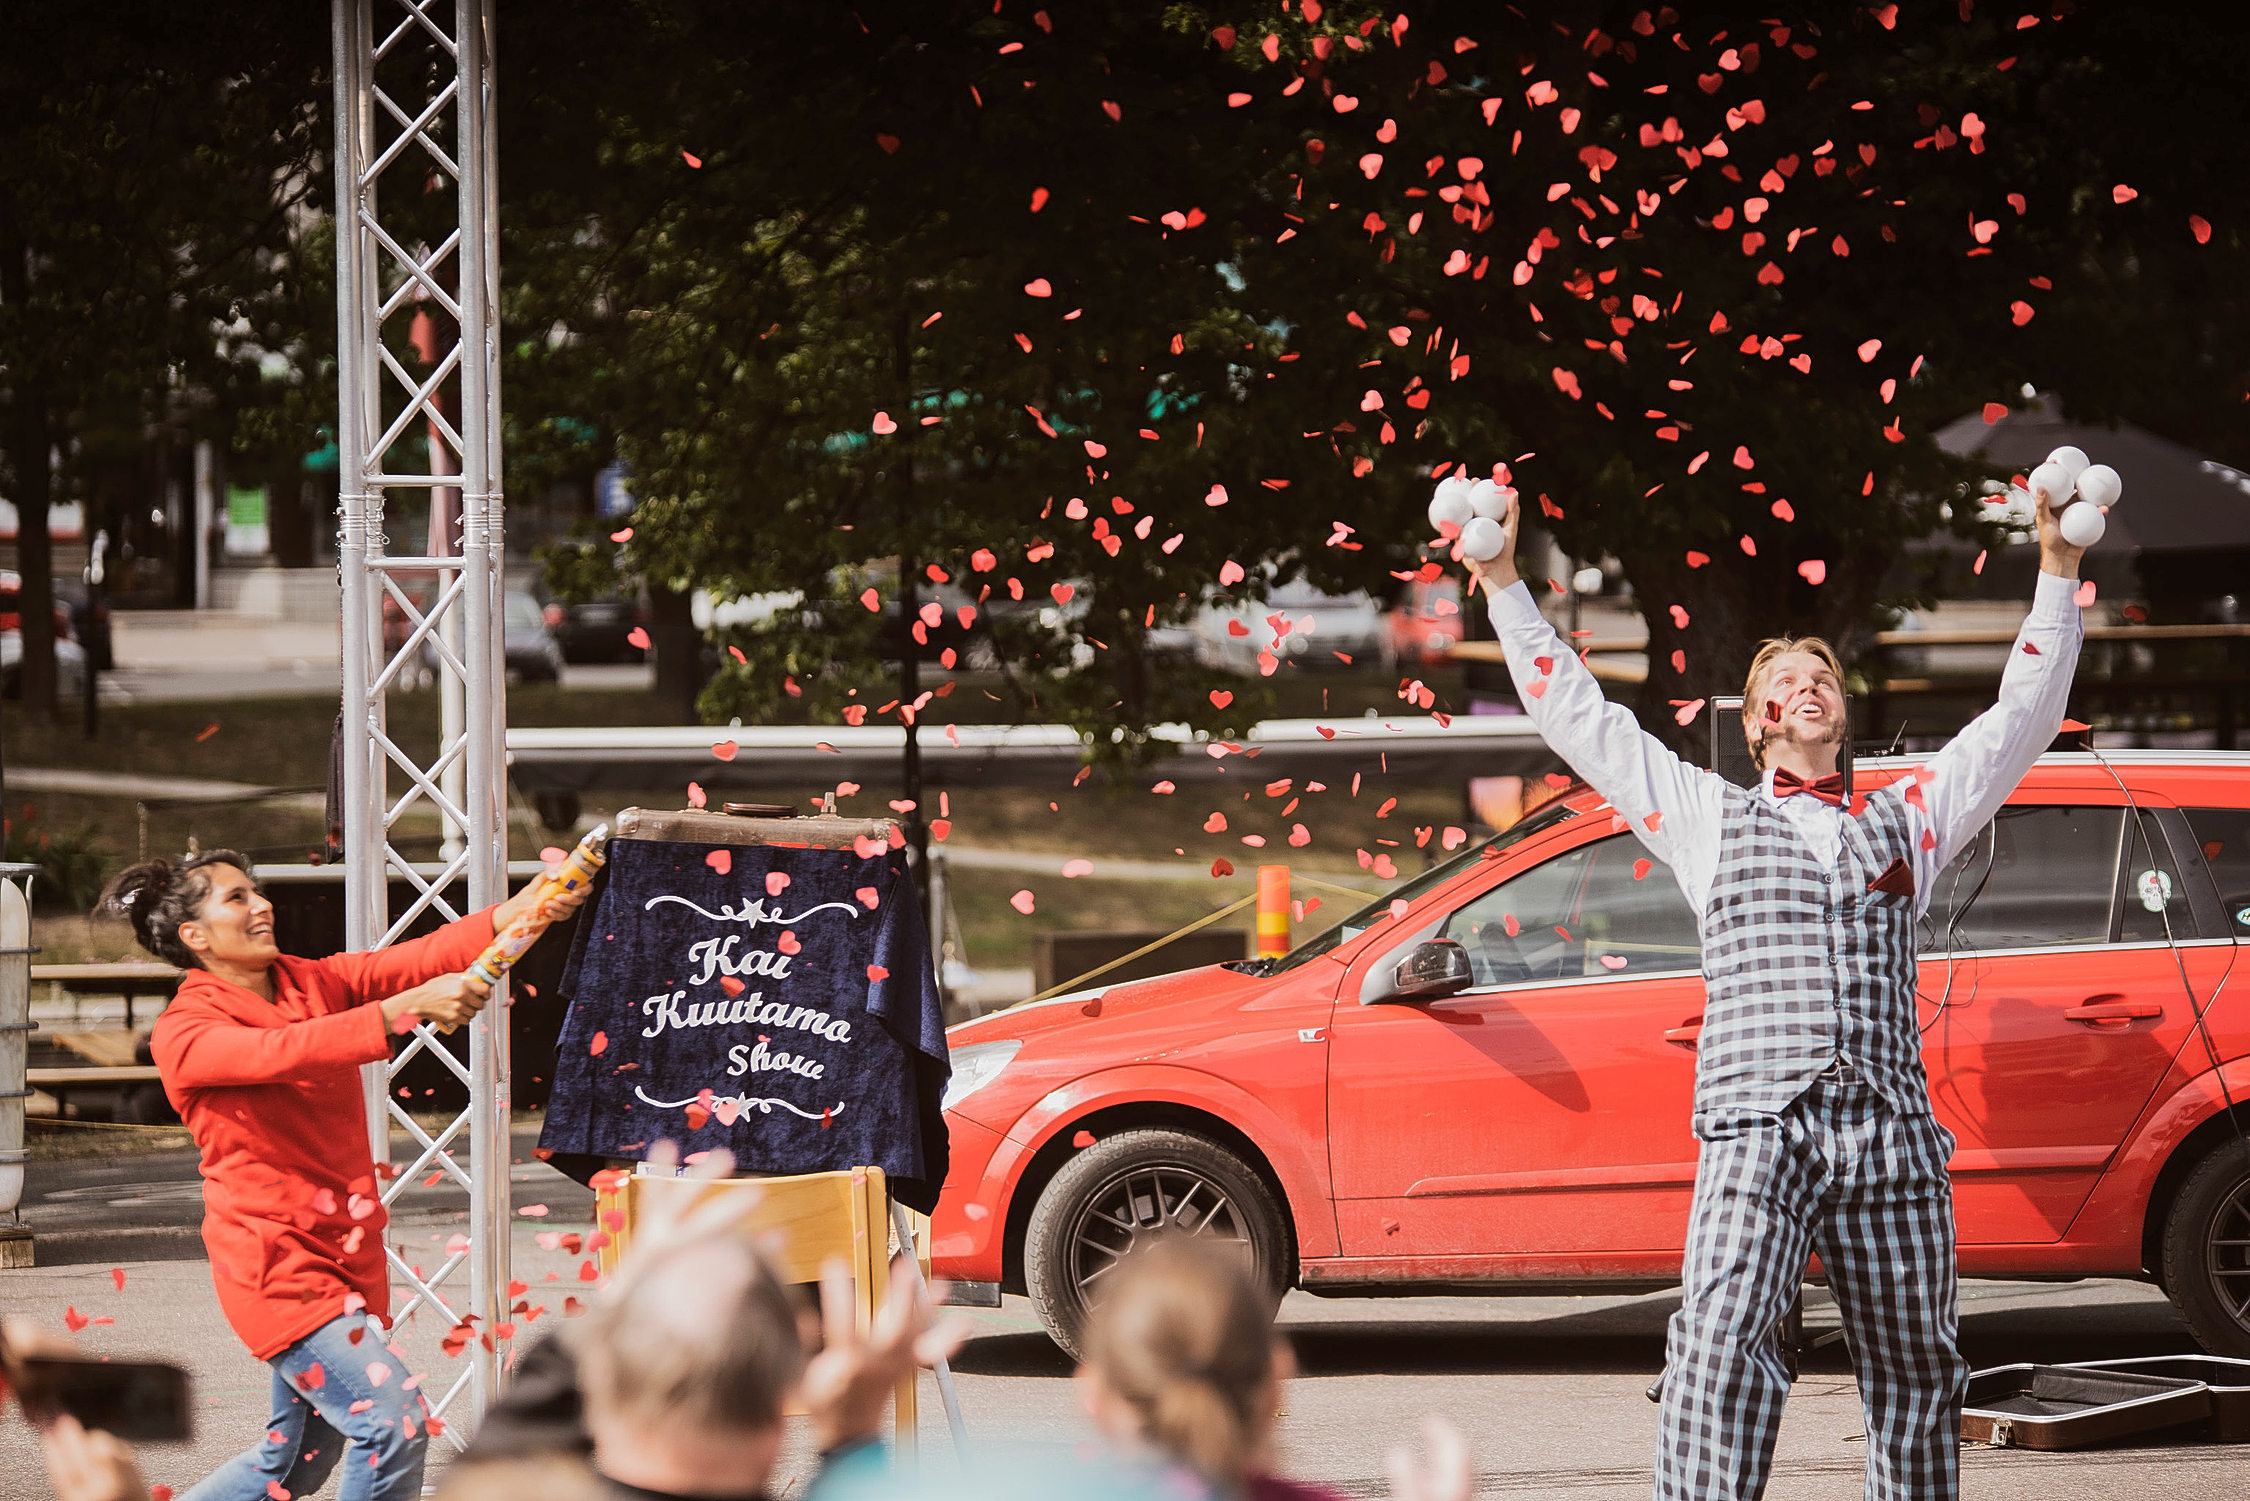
{"points": [[1482, 539], [2071, 458], [1450, 505], [2055, 481], [1490, 499], [2100, 485], [2083, 525]]}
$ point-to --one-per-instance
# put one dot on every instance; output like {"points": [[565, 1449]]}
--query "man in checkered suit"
{"points": [[1811, 1105]]}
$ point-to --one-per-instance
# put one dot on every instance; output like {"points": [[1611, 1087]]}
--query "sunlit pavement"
{"points": [[1549, 1390]]}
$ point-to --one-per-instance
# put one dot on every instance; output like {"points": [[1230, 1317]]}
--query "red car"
{"points": [[1486, 1089], [1427, 624]]}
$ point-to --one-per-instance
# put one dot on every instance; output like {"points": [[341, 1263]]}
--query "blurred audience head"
{"points": [[1181, 1358], [685, 1367]]}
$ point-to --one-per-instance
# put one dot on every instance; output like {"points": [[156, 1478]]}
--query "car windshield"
{"points": [[1429, 880], [520, 612]]}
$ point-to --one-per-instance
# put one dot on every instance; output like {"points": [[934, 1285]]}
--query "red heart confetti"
{"points": [[721, 861], [1022, 901]]}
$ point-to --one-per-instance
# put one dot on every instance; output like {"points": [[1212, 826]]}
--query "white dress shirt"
{"points": [[1963, 785]]}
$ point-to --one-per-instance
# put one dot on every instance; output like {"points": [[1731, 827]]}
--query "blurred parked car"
{"points": [[1426, 625], [595, 630], [1316, 627], [533, 655], [70, 658]]}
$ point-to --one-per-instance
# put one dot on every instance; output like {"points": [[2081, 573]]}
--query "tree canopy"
{"points": [[1019, 295], [154, 169]]}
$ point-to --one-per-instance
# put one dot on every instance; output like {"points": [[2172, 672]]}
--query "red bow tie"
{"points": [[1829, 789]]}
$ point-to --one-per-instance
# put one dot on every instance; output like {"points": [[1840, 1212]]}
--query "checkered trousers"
{"points": [[1840, 1173], [1803, 964]]}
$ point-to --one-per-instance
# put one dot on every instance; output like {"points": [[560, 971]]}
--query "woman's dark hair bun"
{"points": [[156, 896]]}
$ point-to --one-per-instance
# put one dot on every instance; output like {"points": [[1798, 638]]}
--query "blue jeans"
{"points": [[328, 1404]]}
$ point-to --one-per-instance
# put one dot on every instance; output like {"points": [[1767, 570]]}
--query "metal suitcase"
{"points": [[2069, 1407], [2228, 1379]]}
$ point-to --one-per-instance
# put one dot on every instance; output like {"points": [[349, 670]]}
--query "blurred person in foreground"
{"points": [[1184, 1371], [260, 1053], [674, 1383]]}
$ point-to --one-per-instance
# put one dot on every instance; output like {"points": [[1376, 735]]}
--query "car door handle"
{"points": [[2099, 1009], [1686, 1034]]}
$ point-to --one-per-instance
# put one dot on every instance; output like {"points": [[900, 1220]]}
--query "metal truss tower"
{"points": [[418, 427]]}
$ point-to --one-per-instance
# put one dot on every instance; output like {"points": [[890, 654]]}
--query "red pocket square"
{"points": [[1896, 880]]}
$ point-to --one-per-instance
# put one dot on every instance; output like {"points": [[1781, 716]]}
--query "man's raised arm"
{"points": [[1671, 805], [1973, 775]]}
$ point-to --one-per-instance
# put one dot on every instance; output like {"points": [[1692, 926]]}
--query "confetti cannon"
{"points": [[566, 883]]}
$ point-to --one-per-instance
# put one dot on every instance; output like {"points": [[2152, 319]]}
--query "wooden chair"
{"points": [[803, 1221]]}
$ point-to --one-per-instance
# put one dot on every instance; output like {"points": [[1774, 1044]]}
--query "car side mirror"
{"points": [[1437, 968]]}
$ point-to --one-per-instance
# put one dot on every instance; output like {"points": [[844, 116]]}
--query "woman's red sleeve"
{"points": [[200, 1047], [379, 974]]}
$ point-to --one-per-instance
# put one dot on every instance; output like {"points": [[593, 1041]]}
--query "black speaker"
{"points": [[1730, 751]]}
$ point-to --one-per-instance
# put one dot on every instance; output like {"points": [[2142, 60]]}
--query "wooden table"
{"points": [[129, 979]]}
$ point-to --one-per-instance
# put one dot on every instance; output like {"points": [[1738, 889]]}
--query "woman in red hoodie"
{"points": [[260, 1052]]}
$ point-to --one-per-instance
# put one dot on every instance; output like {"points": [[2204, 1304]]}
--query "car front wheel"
{"points": [[2207, 1251], [1129, 1189]]}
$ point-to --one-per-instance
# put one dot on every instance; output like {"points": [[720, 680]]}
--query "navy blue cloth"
{"points": [[777, 1002]]}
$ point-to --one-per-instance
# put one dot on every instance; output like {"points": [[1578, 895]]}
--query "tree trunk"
{"points": [[1733, 604], [27, 442], [289, 525], [35, 555], [679, 653]]}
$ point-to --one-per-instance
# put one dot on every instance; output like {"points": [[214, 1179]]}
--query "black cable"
{"points": [[1953, 926]]}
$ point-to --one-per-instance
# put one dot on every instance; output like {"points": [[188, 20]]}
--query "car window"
{"points": [[2032, 878], [1605, 908], [520, 612], [1429, 880], [2224, 834], [2154, 899]]}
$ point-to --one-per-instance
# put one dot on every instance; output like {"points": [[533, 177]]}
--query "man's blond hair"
{"points": [[1754, 722]]}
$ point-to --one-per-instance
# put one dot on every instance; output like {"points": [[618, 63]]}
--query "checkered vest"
{"points": [[1802, 964]]}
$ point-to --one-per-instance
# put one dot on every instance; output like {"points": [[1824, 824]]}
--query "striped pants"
{"points": [[1837, 1172]]}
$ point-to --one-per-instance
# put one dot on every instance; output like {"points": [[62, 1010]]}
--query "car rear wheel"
{"points": [[1127, 1190], [2207, 1252]]}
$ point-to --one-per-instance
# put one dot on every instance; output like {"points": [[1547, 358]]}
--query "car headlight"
{"points": [[975, 1066]]}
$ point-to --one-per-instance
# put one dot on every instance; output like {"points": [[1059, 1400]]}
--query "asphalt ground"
{"points": [[1549, 1390]]}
